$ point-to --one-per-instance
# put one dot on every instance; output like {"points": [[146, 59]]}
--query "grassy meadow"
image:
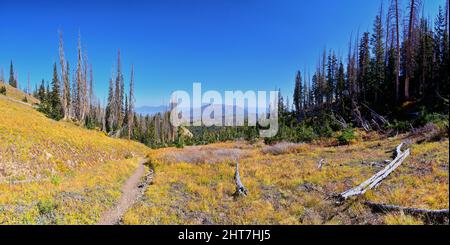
{"points": [[57, 172], [194, 185]]}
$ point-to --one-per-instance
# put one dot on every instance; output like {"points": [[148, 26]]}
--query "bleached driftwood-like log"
{"points": [[376, 179], [320, 164], [432, 214], [240, 188]]}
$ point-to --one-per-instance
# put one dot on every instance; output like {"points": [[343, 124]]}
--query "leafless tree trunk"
{"points": [[28, 83], [2, 75], [65, 98], [397, 47], [131, 104], [409, 45]]}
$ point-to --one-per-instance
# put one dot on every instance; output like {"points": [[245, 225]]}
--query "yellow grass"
{"points": [[287, 188], [17, 94], [34, 147], [56, 172]]}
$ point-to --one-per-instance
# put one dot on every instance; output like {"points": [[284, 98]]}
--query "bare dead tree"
{"points": [[65, 98], [28, 84], [241, 190], [131, 104], [397, 47], [2, 75], [413, 6]]}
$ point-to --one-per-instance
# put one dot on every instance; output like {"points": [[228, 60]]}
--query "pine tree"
{"points": [[378, 62], [41, 94], [54, 97], [12, 78], [298, 94], [340, 83], [363, 66]]}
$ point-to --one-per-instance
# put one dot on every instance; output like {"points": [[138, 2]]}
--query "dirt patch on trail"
{"points": [[132, 190]]}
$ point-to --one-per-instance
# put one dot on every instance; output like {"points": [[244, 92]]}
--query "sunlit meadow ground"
{"points": [[194, 185], [56, 172]]}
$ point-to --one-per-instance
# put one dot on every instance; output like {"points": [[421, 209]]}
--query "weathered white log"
{"points": [[434, 214], [320, 164], [240, 188], [376, 179]]}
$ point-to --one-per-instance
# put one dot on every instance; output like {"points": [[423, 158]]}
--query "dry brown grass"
{"points": [[203, 154], [288, 188], [281, 148]]}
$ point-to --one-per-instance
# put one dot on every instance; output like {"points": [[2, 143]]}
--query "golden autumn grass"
{"points": [[56, 172], [17, 94], [286, 187]]}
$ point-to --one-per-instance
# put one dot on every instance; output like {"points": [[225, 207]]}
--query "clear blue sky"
{"points": [[226, 45]]}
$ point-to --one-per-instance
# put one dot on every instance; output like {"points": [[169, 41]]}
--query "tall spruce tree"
{"points": [[54, 97], [298, 94], [12, 77]]}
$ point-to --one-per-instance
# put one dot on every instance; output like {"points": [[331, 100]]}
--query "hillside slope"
{"points": [[17, 94], [57, 172]]}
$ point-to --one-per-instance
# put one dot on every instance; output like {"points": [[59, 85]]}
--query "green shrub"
{"points": [[347, 136], [400, 126], [305, 134], [45, 206], [55, 179], [3, 90]]}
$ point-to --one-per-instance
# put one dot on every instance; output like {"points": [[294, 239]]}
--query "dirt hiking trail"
{"points": [[131, 191]]}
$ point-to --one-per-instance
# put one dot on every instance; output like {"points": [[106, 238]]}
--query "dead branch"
{"points": [[435, 215], [240, 188], [338, 118], [357, 117], [320, 164], [376, 179], [376, 116]]}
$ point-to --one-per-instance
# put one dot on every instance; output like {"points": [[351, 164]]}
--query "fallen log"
{"points": [[376, 179], [433, 215], [241, 190]]}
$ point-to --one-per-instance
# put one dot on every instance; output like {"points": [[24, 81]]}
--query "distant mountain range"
{"points": [[151, 110]]}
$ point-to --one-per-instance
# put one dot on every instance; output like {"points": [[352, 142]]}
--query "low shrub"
{"points": [[347, 136]]}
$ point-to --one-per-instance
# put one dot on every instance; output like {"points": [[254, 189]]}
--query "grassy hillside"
{"points": [[194, 185], [18, 94], [56, 172]]}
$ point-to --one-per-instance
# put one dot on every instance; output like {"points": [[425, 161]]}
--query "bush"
{"points": [[400, 126], [3, 90], [347, 136], [45, 206], [440, 120], [305, 134]]}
